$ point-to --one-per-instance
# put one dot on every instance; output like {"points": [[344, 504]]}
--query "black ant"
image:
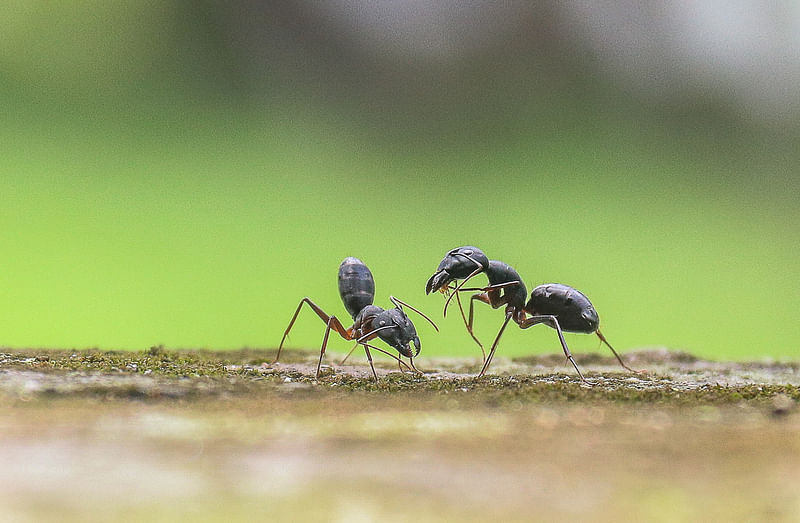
{"points": [[357, 290], [561, 307]]}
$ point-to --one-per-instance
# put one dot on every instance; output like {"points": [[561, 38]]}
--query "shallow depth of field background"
{"points": [[183, 173]]}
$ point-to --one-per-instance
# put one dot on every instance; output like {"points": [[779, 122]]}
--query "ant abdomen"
{"points": [[356, 285]]}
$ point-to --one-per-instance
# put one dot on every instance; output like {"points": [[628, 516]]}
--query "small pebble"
{"points": [[782, 404]]}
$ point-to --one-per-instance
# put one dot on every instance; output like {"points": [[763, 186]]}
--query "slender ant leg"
{"points": [[370, 335], [489, 295], [496, 286], [552, 321], [388, 354], [509, 315], [369, 357], [348, 354], [336, 324], [483, 297], [379, 350], [468, 325], [477, 271], [360, 341], [324, 344]]}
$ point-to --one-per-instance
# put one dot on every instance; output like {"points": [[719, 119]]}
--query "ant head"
{"points": [[457, 264], [396, 329]]}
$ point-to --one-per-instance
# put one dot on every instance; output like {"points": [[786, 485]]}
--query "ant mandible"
{"points": [[558, 306], [357, 290]]}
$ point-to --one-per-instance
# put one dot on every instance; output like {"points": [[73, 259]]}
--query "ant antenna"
{"points": [[603, 339], [399, 303], [370, 333]]}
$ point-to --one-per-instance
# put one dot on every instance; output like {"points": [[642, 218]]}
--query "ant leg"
{"points": [[603, 339], [369, 357], [348, 354], [491, 287], [465, 280], [399, 361], [483, 297], [490, 296], [552, 321], [336, 325], [370, 335], [494, 345], [324, 344], [468, 325]]}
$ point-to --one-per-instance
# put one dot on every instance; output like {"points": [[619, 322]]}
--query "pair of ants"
{"points": [[558, 306]]}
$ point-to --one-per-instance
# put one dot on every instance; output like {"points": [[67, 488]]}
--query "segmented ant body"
{"points": [[357, 290], [561, 307]]}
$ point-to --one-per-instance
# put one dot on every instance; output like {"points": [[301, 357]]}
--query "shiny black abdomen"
{"points": [[499, 272], [573, 309], [356, 285]]}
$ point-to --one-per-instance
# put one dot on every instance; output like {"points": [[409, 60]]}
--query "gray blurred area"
{"points": [[404, 60], [742, 56]]}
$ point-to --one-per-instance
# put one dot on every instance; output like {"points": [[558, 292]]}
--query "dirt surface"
{"points": [[164, 435]]}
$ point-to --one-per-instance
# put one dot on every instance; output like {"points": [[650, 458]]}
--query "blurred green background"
{"points": [[182, 173]]}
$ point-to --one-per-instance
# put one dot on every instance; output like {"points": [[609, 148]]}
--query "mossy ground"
{"points": [[217, 436]]}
